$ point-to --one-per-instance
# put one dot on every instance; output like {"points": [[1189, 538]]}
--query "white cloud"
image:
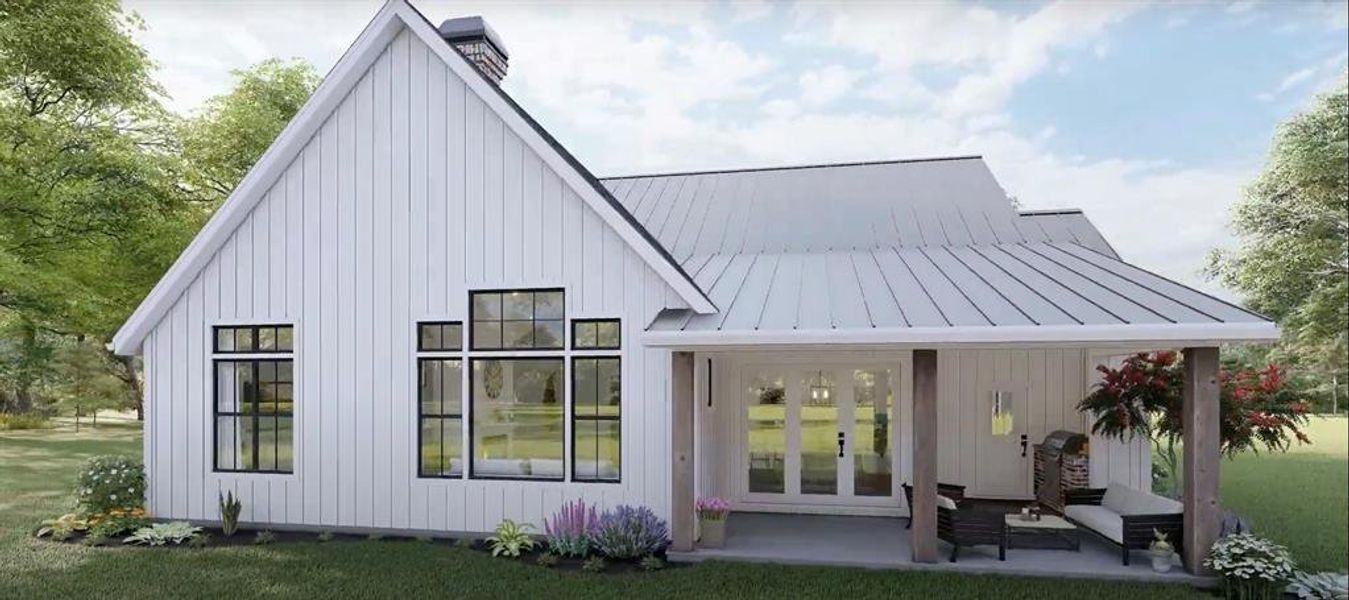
{"points": [[822, 86], [663, 86]]}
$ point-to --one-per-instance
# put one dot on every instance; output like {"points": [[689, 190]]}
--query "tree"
{"points": [[1144, 397], [1293, 224], [85, 381], [221, 143]]}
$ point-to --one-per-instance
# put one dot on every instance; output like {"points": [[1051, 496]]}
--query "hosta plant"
{"points": [[118, 522], [628, 532], [568, 531], [61, 528], [110, 482], [161, 534], [1251, 567], [510, 539], [1319, 586]]}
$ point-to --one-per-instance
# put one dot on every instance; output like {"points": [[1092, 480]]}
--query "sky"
{"points": [[1149, 117]]}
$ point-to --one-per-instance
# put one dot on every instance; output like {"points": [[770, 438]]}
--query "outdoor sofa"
{"points": [[1125, 516]]}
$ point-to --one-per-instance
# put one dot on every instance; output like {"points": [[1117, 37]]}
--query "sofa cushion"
{"points": [[1100, 519], [1128, 501], [947, 503]]}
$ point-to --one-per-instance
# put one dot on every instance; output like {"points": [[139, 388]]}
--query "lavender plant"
{"points": [[568, 531], [629, 532]]}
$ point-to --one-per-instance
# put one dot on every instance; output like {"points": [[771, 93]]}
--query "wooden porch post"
{"points": [[681, 502], [924, 509], [1199, 420]]}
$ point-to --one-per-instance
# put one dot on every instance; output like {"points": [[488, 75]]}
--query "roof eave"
{"points": [[1104, 336]]}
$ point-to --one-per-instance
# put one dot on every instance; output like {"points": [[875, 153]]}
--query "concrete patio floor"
{"points": [[883, 543]]}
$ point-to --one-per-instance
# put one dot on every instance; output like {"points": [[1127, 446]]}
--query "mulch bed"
{"points": [[248, 537]]}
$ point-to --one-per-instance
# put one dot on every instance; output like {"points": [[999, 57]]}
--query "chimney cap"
{"points": [[471, 28]]}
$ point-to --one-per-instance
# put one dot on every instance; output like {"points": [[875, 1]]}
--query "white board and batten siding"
{"points": [[413, 192]]}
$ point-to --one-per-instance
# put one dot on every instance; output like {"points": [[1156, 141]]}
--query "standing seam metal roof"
{"points": [[903, 244]]}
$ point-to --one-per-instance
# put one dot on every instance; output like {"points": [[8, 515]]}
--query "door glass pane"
{"points": [[767, 406], [819, 435], [1003, 421], [871, 432]]}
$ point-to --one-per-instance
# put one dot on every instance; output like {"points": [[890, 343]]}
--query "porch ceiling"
{"points": [[1024, 293]]}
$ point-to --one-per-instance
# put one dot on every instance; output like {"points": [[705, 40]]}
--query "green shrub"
{"points": [[510, 539], [264, 537], [594, 564], [230, 507], [19, 421], [651, 563], [201, 540], [93, 540], [326, 536], [547, 560], [161, 534], [109, 483]]}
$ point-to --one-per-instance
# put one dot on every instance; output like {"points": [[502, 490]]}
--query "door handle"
{"points": [[1024, 441], [840, 444]]}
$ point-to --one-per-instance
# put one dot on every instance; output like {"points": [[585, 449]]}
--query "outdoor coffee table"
{"points": [[1049, 533]]}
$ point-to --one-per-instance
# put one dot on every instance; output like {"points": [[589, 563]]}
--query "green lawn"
{"points": [[1299, 499], [37, 469]]}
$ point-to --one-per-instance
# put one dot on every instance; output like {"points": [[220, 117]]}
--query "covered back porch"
{"points": [[962, 414]]}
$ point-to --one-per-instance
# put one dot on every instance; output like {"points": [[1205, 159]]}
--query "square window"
{"points": [[267, 339], [583, 334], [487, 335], [486, 306], [285, 338], [224, 339], [439, 336], [518, 306], [518, 320], [243, 339], [548, 305], [595, 334], [606, 334]]}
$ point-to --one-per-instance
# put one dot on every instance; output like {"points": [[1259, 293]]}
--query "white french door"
{"points": [[818, 438]]}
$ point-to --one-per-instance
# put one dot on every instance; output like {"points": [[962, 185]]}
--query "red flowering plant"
{"points": [[1144, 396]]}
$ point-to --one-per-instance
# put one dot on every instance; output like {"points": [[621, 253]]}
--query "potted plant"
{"points": [[1162, 552], [1252, 568], [712, 513]]}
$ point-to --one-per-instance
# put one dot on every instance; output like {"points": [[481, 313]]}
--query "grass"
{"points": [[37, 469], [1299, 499]]}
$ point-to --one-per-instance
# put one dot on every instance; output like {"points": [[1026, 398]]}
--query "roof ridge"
{"points": [[799, 167], [1048, 211]]}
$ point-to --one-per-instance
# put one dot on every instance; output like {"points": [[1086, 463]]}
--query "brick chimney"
{"points": [[474, 38]]}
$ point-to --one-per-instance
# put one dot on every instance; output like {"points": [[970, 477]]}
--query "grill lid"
{"points": [[1066, 442]]}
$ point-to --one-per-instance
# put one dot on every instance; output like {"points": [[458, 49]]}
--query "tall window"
{"points": [[254, 398], [518, 320], [440, 404], [596, 404]]}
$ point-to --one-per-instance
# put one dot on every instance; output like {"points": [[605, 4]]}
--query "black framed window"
{"points": [[254, 339], [517, 424], [596, 334], [255, 415], [597, 394], [440, 417], [517, 320], [440, 336]]}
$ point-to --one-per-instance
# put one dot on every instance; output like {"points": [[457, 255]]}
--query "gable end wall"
{"points": [[412, 192]]}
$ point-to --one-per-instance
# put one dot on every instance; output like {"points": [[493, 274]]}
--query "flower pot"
{"points": [[1161, 563], [713, 533]]}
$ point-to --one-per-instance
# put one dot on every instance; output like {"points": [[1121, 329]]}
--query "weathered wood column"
{"points": [[1199, 420], [681, 501], [924, 509]]}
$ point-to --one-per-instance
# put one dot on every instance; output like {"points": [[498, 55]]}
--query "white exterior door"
{"points": [[1004, 466], [818, 438]]}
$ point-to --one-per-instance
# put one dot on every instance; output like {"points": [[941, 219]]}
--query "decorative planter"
{"points": [[1161, 563], [713, 533]]}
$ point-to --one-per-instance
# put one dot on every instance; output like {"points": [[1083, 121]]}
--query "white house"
{"points": [[419, 312]]}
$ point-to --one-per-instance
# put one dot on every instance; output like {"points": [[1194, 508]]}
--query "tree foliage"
{"points": [[1293, 261], [223, 141], [101, 187]]}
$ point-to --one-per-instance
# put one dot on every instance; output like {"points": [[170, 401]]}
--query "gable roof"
{"points": [[391, 18]]}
